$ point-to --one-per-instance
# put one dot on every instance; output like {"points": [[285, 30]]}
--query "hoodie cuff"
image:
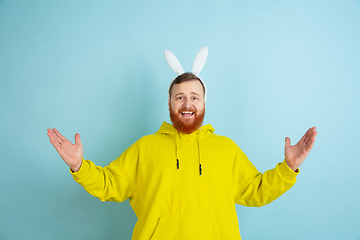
{"points": [[83, 170], [286, 172]]}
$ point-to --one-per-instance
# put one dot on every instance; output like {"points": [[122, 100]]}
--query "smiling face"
{"points": [[187, 106]]}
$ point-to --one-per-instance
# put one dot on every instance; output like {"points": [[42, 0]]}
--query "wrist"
{"points": [[295, 169], [77, 167]]}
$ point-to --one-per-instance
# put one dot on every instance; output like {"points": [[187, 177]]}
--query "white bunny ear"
{"points": [[173, 62], [200, 61]]}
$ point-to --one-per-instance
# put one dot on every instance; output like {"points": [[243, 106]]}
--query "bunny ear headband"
{"points": [[198, 65]]}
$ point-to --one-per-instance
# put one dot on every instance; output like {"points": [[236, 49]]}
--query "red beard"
{"points": [[189, 126]]}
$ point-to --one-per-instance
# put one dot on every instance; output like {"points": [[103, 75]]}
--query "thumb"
{"points": [[77, 139], [287, 142]]}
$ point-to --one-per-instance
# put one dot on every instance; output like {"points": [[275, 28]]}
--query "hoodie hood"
{"points": [[199, 134], [167, 128]]}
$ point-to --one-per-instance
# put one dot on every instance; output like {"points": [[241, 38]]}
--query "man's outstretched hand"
{"points": [[70, 153], [296, 154]]}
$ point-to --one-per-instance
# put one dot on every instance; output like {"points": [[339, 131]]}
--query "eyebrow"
{"points": [[190, 93]]}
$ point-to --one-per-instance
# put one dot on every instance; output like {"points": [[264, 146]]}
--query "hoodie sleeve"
{"points": [[112, 182], [254, 189]]}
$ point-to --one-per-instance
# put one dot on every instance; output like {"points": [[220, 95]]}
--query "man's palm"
{"points": [[69, 152], [296, 154]]}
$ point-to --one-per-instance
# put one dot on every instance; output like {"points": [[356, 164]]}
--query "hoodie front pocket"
{"points": [[173, 227], [167, 228], [158, 229], [199, 227]]}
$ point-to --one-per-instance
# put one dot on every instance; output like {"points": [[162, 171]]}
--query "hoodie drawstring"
{"points": [[199, 151], [199, 147], [177, 152]]}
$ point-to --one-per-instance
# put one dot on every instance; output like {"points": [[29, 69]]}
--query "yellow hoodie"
{"points": [[185, 186]]}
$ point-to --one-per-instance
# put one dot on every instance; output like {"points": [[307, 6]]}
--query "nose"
{"points": [[187, 103]]}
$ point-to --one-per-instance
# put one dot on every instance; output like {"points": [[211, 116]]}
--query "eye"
{"points": [[194, 98], [179, 98]]}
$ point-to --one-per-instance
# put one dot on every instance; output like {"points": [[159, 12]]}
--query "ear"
{"points": [[169, 104]]}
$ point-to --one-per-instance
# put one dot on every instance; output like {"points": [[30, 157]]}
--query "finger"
{"points": [[53, 136], [311, 135], [59, 134], [309, 146], [77, 139], [311, 142], [56, 145], [305, 137], [287, 142], [305, 141]]}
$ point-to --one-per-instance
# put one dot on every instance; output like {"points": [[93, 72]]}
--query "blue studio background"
{"points": [[275, 68]]}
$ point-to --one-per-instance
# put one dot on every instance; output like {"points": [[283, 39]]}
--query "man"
{"points": [[184, 180]]}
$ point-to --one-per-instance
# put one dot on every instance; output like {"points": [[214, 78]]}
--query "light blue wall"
{"points": [[275, 68]]}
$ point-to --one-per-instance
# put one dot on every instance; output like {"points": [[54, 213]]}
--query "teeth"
{"points": [[187, 112]]}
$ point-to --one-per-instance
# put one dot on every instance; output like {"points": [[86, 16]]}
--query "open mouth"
{"points": [[187, 113]]}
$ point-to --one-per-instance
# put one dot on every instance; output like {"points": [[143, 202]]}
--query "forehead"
{"points": [[188, 87]]}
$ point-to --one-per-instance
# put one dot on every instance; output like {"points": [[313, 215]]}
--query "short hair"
{"points": [[185, 77]]}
